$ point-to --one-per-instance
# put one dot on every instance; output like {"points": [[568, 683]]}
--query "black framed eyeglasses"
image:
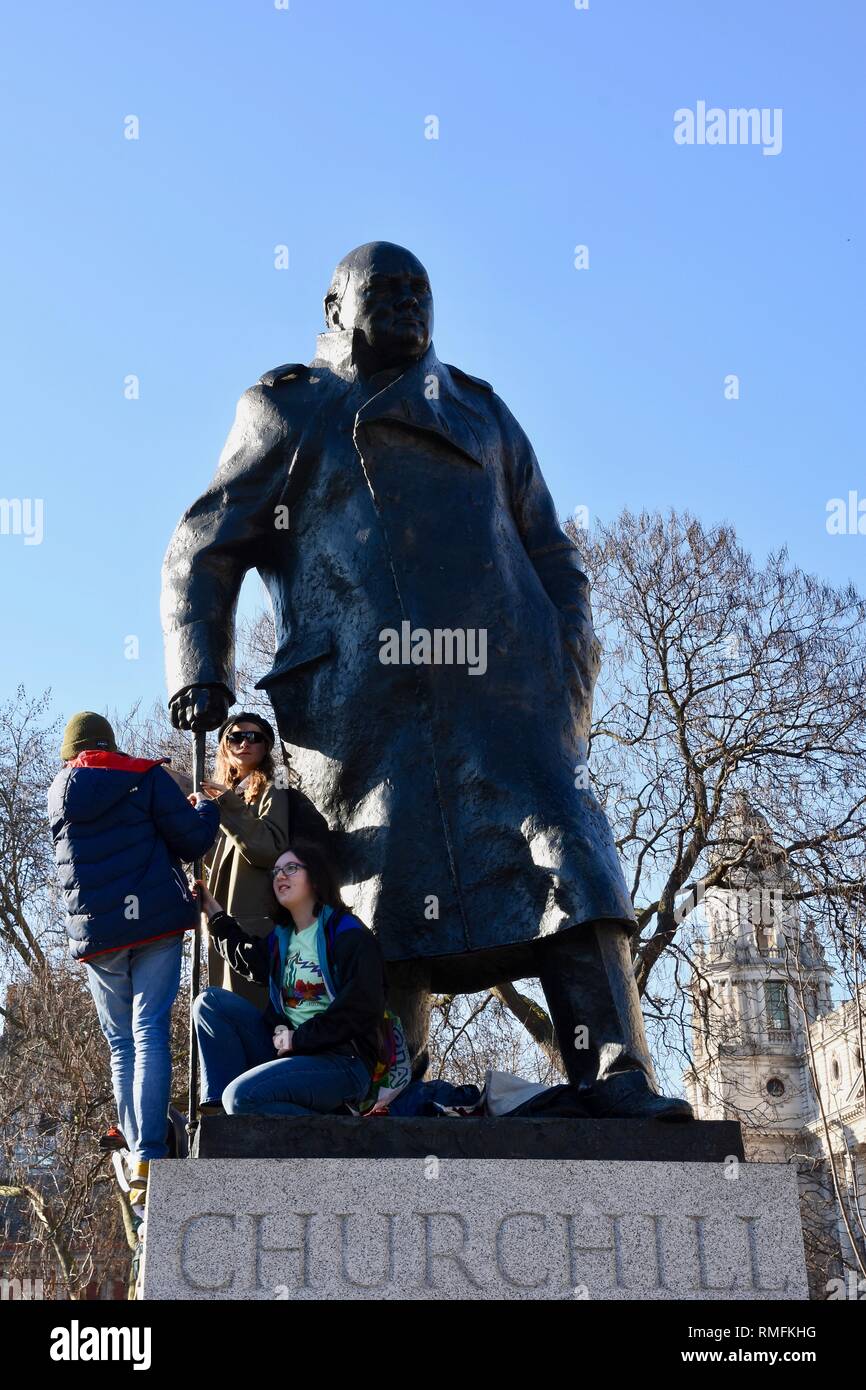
{"points": [[287, 870], [239, 736]]}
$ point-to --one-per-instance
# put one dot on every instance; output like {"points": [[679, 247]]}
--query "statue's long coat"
{"points": [[458, 800]]}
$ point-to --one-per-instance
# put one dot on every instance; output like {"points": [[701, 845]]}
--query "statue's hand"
{"points": [[199, 707]]}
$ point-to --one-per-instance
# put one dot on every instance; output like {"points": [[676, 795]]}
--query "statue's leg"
{"points": [[588, 981], [408, 985], [587, 978]]}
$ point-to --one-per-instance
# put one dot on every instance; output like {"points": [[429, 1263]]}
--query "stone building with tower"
{"points": [[770, 1047]]}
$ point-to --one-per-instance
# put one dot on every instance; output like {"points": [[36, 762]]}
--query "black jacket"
{"points": [[121, 827], [352, 1023]]}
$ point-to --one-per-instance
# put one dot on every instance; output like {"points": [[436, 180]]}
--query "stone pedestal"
{"points": [[521, 1215]]}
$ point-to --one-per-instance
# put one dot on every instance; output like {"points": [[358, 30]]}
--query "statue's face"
{"points": [[389, 301]]}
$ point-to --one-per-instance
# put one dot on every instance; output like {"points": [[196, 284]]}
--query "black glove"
{"points": [[199, 707]]}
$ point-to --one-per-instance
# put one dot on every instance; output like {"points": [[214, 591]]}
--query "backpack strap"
{"points": [[334, 925], [331, 936]]}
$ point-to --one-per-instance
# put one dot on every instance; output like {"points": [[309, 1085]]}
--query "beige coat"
{"points": [[251, 837]]}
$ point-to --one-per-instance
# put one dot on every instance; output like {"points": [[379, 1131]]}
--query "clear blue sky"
{"points": [[260, 126]]}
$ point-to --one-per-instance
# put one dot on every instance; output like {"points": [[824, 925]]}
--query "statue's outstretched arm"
{"points": [[221, 536]]}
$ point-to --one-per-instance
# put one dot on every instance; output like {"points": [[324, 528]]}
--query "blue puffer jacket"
{"points": [[121, 827]]}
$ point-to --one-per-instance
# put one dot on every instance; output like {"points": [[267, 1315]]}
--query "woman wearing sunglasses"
{"points": [[257, 819], [316, 1045]]}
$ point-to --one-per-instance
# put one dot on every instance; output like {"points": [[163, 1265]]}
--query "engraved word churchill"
{"points": [[287, 1254]]}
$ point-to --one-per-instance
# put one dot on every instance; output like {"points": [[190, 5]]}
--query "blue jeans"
{"points": [[239, 1066], [134, 991]]}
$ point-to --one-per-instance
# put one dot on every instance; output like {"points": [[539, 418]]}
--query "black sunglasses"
{"points": [[239, 736]]}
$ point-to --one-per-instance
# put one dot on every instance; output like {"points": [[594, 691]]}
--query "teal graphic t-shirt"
{"points": [[303, 993]]}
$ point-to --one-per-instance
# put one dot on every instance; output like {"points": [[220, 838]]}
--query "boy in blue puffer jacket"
{"points": [[121, 827]]}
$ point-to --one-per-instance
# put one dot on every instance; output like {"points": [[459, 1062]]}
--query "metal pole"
{"points": [[192, 1122]]}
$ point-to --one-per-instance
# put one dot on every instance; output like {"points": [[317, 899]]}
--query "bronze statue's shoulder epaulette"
{"points": [[465, 376], [287, 372]]}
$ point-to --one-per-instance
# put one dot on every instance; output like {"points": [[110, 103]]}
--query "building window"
{"points": [[835, 1071], [775, 1087], [776, 1001]]}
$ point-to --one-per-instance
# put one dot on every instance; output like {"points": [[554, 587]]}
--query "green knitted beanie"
{"points": [[87, 730]]}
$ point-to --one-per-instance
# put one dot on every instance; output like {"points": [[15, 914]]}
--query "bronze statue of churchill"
{"points": [[379, 491]]}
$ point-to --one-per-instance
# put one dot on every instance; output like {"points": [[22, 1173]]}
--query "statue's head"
{"points": [[382, 291]]}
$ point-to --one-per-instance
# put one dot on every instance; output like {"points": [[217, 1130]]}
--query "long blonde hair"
{"points": [[229, 774]]}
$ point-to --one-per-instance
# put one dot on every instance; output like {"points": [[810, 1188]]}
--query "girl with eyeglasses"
{"points": [[315, 1047], [257, 818]]}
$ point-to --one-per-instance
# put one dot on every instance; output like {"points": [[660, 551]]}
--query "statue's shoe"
{"points": [[627, 1096]]}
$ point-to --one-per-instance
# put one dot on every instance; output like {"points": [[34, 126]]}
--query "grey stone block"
{"points": [[451, 1229]]}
